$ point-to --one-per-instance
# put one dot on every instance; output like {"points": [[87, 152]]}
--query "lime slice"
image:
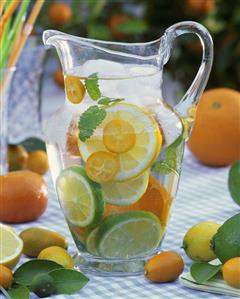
{"points": [[128, 235], [125, 193], [90, 241], [80, 198]]}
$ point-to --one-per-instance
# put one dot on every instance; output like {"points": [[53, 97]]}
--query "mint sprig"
{"points": [[94, 115], [89, 121]]}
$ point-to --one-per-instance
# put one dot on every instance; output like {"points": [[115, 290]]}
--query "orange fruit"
{"points": [[156, 199], [38, 162], [59, 14], [113, 24], [231, 272], [215, 135], [201, 6], [6, 277], [72, 145], [102, 166], [75, 89], [23, 196], [164, 267], [58, 77], [119, 136]]}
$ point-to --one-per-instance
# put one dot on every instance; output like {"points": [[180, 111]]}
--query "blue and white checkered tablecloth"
{"points": [[203, 195]]}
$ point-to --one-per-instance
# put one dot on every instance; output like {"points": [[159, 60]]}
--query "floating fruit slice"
{"points": [[11, 247], [128, 235], [102, 166], [170, 122], [156, 200], [90, 241], [80, 198], [147, 145], [125, 193], [119, 136], [72, 138], [74, 89]]}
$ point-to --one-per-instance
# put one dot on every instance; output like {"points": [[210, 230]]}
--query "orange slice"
{"points": [[74, 88]]}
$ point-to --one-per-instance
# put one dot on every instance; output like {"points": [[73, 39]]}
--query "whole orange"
{"points": [[23, 196], [200, 6], [6, 277], [59, 13], [215, 138], [38, 162], [231, 272], [58, 77]]}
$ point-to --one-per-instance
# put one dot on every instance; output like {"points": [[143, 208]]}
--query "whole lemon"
{"points": [[58, 255], [197, 241]]}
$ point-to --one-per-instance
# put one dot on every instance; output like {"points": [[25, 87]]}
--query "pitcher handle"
{"points": [[199, 83]]}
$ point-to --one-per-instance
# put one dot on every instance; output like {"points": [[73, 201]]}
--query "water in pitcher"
{"points": [[116, 182]]}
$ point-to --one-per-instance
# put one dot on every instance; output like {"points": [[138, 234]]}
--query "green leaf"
{"points": [[106, 101], [89, 121], [68, 281], [33, 144], [99, 31], [27, 271], [19, 293], [91, 84], [234, 181], [202, 272], [133, 26]]}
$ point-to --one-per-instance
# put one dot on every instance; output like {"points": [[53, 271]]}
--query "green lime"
{"points": [[226, 242], [90, 241], [234, 182], [127, 192], [80, 198], [128, 235], [43, 285]]}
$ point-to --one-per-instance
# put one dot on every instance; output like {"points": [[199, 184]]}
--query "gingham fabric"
{"points": [[203, 195]]}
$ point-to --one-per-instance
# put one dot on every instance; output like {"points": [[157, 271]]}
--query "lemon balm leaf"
{"points": [[89, 120], [20, 292], [92, 87], [202, 272]]}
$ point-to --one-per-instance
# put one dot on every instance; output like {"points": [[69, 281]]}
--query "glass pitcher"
{"points": [[116, 146]]}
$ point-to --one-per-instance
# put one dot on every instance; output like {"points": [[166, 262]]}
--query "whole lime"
{"points": [[197, 241], [43, 285], [234, 182], [226, 242]]}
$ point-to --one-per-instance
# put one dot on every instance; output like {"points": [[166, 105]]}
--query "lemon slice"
{"points": [[142, 152], [80, 198], [128, 235], [75, 89], [11, 247], [125, 193]]}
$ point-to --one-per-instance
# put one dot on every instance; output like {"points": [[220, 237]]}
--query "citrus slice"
{"points": [[90, 241], [74, 88], [102, 166], [80, 198], [119, 136], [170, 122], [145, 149], [11, 247], [125, 193], [128, 235], [156, 200]]}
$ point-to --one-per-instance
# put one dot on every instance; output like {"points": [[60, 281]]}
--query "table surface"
{"points": [[203, 195]]}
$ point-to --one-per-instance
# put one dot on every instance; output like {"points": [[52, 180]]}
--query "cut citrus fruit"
{"points": [[90, 241], [72, 139], [156, 200], [125, 193], [11, 247], [128, 235], [80, 198], [119, 136], [75, 90], [102, 166], [147, 144]]}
